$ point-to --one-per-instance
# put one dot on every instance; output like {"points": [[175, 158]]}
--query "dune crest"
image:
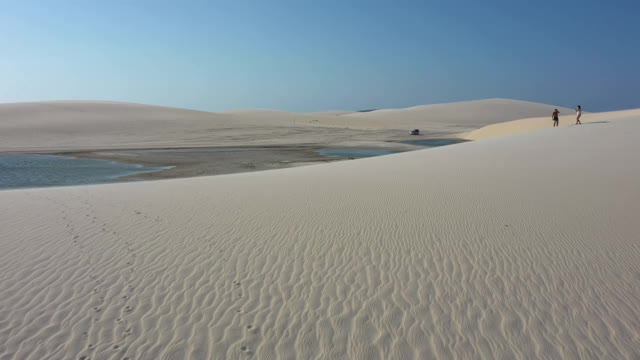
{"points": [[532, 124], [466, 113]]}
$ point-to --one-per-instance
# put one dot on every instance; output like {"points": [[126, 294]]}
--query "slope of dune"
{"points": [[511, 248], [87, 124], [63, 125], [532, 124], [466, 114]]}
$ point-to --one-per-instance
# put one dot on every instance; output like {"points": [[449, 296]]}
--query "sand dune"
{"points": [[532, 124], [86, 125], [74, 125], [461, 115], [510, 248], [91, 124]]}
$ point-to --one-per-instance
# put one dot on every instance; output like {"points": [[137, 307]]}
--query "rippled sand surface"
{"points": [[518, 247]]}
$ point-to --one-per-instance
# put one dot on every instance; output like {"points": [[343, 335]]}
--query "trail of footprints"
{"points": [[250, 328], [101, 302]]}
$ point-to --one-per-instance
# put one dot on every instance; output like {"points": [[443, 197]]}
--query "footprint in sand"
{"points": [[90, 346], [125, 297], [83, 357], [96, 309], [128, 309], [116, 347]]}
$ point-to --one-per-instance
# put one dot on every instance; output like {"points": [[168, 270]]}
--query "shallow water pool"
{"points": [[355, 153], [26, 171]]}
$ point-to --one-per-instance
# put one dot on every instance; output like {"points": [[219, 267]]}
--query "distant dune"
{"points": [[80, 124], [66, 125], [521, 247], [467, 114]]}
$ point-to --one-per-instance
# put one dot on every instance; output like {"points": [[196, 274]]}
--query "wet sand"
{"points": [[190, 162]]}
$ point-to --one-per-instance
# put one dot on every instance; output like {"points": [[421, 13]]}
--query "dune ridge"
{"points": [[515, 247], [532, 124], [467, 114]]}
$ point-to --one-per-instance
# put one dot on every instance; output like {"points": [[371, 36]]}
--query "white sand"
{"points": [[545, 122], [518, 247], [63, 125]]}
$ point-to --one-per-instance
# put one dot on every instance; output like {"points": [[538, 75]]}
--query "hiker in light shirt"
{"points": [[578, 114]]}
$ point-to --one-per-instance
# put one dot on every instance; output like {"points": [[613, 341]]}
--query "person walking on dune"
{"points": [[556, 118], [578, 114]]}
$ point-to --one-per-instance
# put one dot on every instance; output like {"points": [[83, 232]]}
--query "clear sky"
{"points": [[303, 55]]}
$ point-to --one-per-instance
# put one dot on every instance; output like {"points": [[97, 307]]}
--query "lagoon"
{"points": [[355, 153], [30, 170]]}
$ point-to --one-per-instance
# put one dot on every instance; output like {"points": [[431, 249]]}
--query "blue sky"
{"points": [[320, 55]]}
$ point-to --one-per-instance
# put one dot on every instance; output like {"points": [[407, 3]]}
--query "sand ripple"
{"points": [[425, 255]]}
